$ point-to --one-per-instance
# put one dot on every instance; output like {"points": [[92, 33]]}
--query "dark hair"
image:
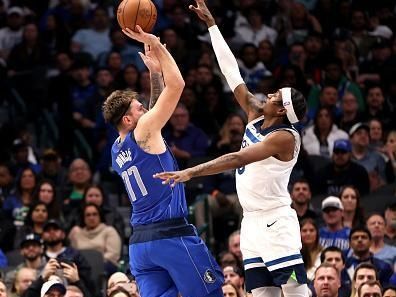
{"points": [[83, 213], [369, 283], [299, 103], [359, 229], [365, 265], [358, 218], [307, 252], [28, 220], [95, 186], [19, 179], [301, 180], [53, 207], [331, 249]]}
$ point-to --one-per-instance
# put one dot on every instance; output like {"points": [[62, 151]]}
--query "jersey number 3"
{"points": [[125, 176]]}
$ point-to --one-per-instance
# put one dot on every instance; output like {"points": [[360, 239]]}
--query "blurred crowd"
{"points": [[63, 211]]}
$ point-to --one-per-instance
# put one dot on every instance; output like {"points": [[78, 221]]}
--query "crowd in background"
{"points": [[59, 197]]}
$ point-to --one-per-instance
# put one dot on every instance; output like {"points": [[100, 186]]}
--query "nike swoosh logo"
{"points": [[269, 225]]}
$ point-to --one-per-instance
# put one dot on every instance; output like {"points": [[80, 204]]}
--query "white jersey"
{"points": [[262, 185]]}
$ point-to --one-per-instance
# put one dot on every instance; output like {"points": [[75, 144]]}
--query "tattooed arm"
{"points": [[157, 85]]}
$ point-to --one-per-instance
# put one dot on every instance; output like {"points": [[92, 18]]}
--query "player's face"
{"points": [[334, 258], [326, 282], [135, 111]]}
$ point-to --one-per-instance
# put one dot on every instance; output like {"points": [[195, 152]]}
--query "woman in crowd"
{"points": [[16, 206], [229, 290], [319, 138], [95, 234], [353, 213], [390, 147], [46, 193], [34, 222], [311, 248]]}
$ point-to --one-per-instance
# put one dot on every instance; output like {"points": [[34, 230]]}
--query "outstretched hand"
{"points": [[173, 177], [203, 12], [140, 35]]}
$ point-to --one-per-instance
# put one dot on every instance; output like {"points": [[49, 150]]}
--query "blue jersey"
{"points": [[152, 201]]}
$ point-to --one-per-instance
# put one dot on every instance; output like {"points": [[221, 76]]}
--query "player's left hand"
{"points": [[141, 36], [173, 177], [150, 59]]}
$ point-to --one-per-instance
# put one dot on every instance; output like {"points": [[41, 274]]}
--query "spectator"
{"points": [[334, 256], [328, 98], [73, 291], [370, 288], [130, 78], [46, 193], [54, 237], [341, 171], [120, 280], [234, 244], [79, 178], [31, 249], [96, 39], [364, 272], [53, 170], [353, 213], [333, 233], [319, 139], [360, 242], [23, 279], [390, 229], [16, 206], [389, 292], [234, 275], [227, 258], [94, 234], [311, 248], [184, 138], [229, 290], [3, 289], [20, 151], [326, 281], [35, 219], [12, 34], [53, 288], [390, 148], [376, 135], [266, 55], [380, 250], [350, 112], [301, 197], [371, 160]]}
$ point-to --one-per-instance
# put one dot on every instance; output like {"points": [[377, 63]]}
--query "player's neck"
{"points": [[272, 121]]}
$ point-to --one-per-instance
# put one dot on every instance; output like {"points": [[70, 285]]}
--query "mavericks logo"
{"points": [[209, 276]]}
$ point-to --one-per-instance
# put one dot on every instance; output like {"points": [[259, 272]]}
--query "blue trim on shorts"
{"points": [[283, 259], [253, 260], [259, 277]]}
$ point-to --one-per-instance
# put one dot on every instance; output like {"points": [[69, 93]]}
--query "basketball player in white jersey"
{"points": [[270, 236]]}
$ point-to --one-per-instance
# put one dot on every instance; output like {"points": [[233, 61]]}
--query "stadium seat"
{"points": [[96, 261]]}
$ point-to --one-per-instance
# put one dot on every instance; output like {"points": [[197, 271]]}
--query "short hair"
{"points": [[331, 249], [233, 234], [327, 265], [359, 229], [369, 283], [301, 180], [299, 103], [365, 265], [116, 105], [119, 289]]}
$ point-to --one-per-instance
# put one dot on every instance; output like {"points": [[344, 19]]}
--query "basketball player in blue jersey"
{"points": [[166, 255], [270, 234]]}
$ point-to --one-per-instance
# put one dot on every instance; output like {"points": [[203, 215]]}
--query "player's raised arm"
{"points": [[160, 113], [156, 80], [227, 62]]}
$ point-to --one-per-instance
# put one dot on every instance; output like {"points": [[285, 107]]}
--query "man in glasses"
{"points": [[342, 171]]}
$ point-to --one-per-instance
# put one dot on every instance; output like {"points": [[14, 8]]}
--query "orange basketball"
{"points": [[137, 12]]}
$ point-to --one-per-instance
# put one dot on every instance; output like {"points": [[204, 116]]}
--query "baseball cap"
{"points": [[31, 238], [51, 284], [53, 223], [358, 126], [342, 145], [332, 201], [15, 10], [18, 144]]}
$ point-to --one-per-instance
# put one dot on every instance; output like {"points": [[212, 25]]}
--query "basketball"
{"points": [[137, 12]]}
